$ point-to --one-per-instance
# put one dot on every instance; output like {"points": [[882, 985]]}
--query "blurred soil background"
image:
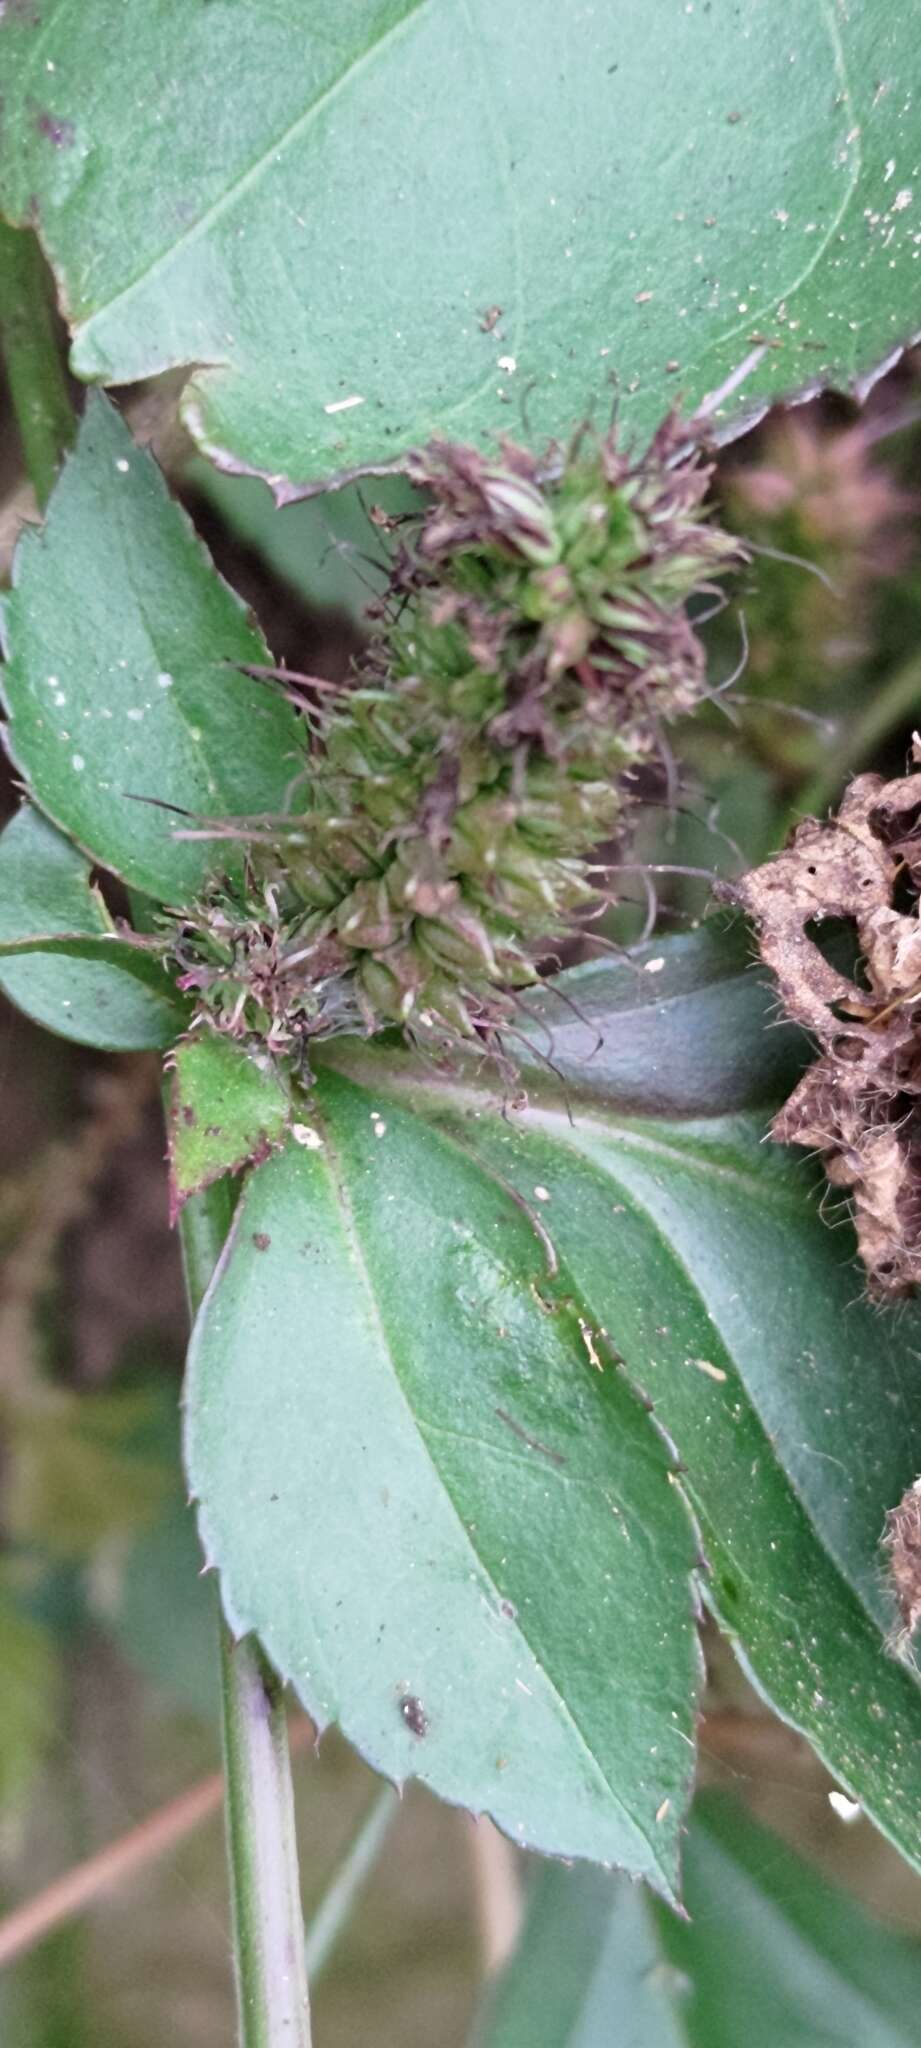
{"points": [[107, 1694]]}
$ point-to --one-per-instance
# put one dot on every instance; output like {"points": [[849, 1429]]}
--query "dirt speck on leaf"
{"points": [[55, 130], [414, 1714]]}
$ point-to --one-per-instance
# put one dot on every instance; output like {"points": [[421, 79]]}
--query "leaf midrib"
{"points": [[336, 1176], [670, 1251], [245, 179]]}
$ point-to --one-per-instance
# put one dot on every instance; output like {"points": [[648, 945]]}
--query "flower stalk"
{"points": [[272, 1997]]}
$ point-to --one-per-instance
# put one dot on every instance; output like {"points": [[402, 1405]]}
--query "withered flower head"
{"points": [[859, 1105], [818, 493], [828, 481]]}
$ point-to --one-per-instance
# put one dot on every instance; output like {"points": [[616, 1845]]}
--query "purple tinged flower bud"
{"points": [[520, 517]]}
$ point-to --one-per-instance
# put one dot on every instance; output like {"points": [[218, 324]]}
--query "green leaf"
{"points": [[226, 1111], [772, 1955], [89, 986], [121, 684], [587, 1971], [689, 1246], [641, 191], [447, 1515], [681, 1028], [326, 549], [813, 1966], [46, 888], [160, 1612], [700, 1252]]}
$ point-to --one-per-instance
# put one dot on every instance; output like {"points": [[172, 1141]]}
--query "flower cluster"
{"points": [[817, 494], [533, 637]]}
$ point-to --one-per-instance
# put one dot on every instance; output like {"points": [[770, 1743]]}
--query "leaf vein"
{"points": [[246, 179]]}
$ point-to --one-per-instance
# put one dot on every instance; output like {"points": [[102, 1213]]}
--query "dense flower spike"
{"points": [[533, 637]]}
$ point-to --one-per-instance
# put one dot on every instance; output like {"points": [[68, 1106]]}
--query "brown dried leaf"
{"points": [[859, 1106], [903, 1542]]}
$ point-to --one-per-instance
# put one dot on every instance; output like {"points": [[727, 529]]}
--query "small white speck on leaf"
{"points": [[304, 1134], [845, 1808], [542, 1194], [343, 404], [713, 1372], [588, 1338]]}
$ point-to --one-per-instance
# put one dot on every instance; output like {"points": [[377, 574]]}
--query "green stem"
{"points": [[886, 708], [338, 1899], [32, 358], [268, 1930], [271, 1972]]}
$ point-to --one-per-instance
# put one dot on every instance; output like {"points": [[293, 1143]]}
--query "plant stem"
{"points": [[32, 358], [268, 1929], [271, 1973], [897, 697], [338, 1899]]}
